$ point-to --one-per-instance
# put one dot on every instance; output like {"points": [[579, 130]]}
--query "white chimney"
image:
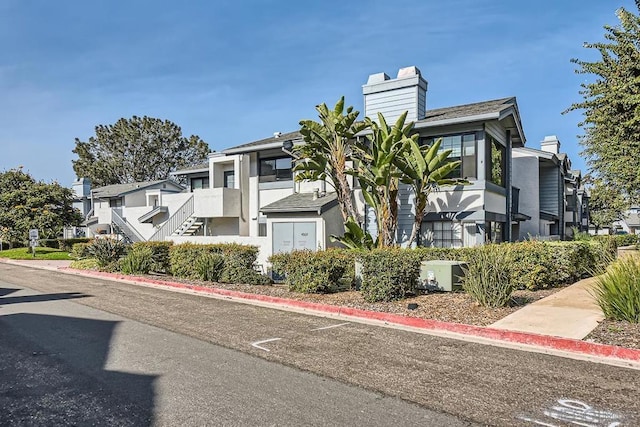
{"points": [[392, 97], [550, 144]]}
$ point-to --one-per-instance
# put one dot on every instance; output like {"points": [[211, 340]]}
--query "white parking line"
{"points": [[257, 343], [329, 327]]}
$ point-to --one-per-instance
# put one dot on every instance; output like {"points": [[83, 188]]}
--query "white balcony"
{"points": [[217, 202]]}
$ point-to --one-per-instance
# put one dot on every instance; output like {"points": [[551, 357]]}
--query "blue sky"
{"points": [[234, 72]]}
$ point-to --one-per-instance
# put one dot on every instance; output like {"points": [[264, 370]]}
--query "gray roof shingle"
{"points": [[295, 135], [468, 110], [302, 202], [120, 189]]}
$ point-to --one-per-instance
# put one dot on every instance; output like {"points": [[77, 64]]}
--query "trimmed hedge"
{"points": [[392, 273], [237, 266], [389, 274], [160, 262], [316, 272], [80, 250], [67, 244]]}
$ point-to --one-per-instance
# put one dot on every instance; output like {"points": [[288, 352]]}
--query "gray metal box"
{"points": [[441, 275]]}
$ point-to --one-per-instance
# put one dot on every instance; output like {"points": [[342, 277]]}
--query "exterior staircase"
{"points": [[190, 227]]}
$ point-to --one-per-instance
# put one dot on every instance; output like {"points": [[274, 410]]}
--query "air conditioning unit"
{"points": [[441, 275]]}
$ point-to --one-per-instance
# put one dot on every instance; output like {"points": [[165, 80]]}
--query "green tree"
{"points": [[136, 149], [26, 203], [425, 169], [611, 106], [378, 173], [606, 205], [327, 152]]}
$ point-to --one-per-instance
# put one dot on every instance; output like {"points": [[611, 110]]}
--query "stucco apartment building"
{"points": [[247, 194]]}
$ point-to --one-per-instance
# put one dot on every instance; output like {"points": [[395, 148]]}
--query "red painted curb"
{"points": [[557, 343]]}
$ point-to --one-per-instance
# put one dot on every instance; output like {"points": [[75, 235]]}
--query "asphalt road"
{"points": [[179, 359]]}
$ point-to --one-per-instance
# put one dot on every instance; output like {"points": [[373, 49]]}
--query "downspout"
{"points": [[509, 188]]}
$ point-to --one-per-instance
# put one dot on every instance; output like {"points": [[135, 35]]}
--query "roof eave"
{"points": [[458, 120], [253, 148]]}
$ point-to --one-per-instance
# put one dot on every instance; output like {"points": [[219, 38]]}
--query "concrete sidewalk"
{"points": [[569, 313]]}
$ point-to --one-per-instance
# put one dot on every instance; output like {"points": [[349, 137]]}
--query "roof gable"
{"points": [[117, 190]]}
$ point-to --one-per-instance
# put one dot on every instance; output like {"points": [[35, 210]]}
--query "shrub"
{"points": [[487, 278], [183, 256], [316, 271], [389, 274], [604, 250], [208, 266], [67, 244], [243, 275], [85, 264], [48, 243], [107, 252], [80, 250], [238, 261], [617, 291], [138, 261], [159, 255]]}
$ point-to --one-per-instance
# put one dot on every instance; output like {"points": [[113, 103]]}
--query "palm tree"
{"points": [[378, 174], [327, 150], [425, 169]]}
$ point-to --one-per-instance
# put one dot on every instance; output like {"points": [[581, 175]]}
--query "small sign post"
{"points": [[33, 240]]}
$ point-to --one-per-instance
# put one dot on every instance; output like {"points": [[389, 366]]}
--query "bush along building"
{"points": [[247, 194]]}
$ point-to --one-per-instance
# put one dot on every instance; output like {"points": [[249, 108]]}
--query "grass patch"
{"points": [[41, 253]]}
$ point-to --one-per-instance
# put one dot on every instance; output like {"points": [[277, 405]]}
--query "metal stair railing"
{"points": [[174, 222], [127, 229]]}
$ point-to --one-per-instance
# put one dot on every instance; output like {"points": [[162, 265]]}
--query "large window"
{"points": [[199, 183], [463, 148], [275, 169], [115, 203], [496, 158], [442, 234]]}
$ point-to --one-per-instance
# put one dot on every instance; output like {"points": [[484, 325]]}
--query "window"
{"points": [[463, 148], [495, 232], [442, 234], [496, 157], [275, 169], [262, 229], [229, 179], [115, 203], [199, 183]]}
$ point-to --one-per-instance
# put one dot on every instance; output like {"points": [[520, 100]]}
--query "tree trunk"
{"points": [[417, 220], [345, 200]]}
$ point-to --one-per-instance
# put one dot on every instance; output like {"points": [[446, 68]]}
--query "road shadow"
{"points": [[53, 367], [39, 297], [8, 291]]}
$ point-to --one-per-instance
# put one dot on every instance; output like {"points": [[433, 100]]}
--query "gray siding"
{"points": [[406, 213], [393, 103], [549, 200]]}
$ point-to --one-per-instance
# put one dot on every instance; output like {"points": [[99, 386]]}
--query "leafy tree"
{"points": [[327, 150], [26, 203], [611, 106], [136, 149], [606, 205], [425, 169]]}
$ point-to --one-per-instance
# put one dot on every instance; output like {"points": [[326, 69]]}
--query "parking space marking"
{"points": [[257, 343], [329, 327]]}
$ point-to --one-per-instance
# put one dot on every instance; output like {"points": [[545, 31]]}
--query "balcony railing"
{"points": [[174, 222]]}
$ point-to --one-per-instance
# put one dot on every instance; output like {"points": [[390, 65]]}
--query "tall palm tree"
{"points": [[425, 169], [327, 151], [378, 174]]}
